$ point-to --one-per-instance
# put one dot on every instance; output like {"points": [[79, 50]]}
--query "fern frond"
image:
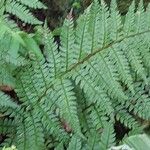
{"points": [[67, 103], [115, 22], [127, 119], [83, 111], [140, 18], [122, 66], [27, 87], [128, 26], [51, 54], [134, 57], [10, 23], [67, 47], [104, 23], [144, 50], [93, 141], [7, 126], [107, 137], [102, 72], [6, 101], [75, 143], [142, 105], [98, 117], [94, 93], [21, 12], [34, 4], [70, 97], [30, 134], [94, 25], [45, 110], [35, 97], [146, 16], [82, 39], [10, 45]]}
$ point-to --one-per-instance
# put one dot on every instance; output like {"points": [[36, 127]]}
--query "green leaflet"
{"points": [[35, 4], [19, 8]]}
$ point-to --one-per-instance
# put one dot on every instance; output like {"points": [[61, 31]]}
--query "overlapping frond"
{"points": [[125, 118], [30, 133], [35, 97], [20, 8]]}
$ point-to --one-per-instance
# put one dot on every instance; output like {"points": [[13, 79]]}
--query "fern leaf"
{"points": [[67, 44], [45, 112], [132, 53], [107, 137], [93, 141], [21, 12], [72, 96], [9, 22], [27, 87], [7, 126], [142, 106], [83, 111], [144, 49], [6, 101], [105, 23], [103, 72], [94, 93], [94, 26], [6, 77], [75, 143], [125, 118], [98, 117], [82, 39], [139, 18], [129, 26], [146, 16], [34, 4], [67, 103], [30, 134], [52, 55], [115, 22], [122, 65], [31, 93]]}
